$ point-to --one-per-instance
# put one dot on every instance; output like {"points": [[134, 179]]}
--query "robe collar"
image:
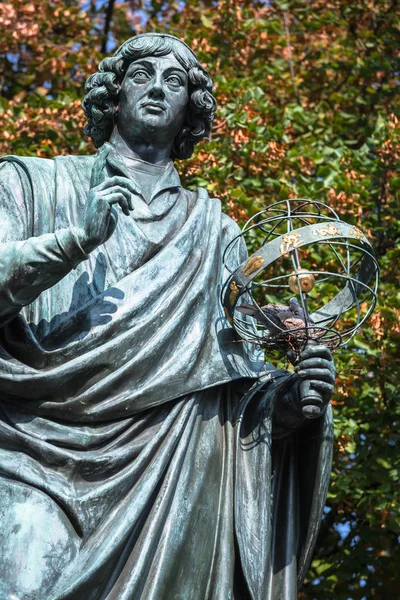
{"points": [[169, 179]]}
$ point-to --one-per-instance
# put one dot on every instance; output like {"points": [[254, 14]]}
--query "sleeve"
{"points": [[28, 265]]}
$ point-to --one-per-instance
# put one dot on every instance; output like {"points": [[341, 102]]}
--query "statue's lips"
{"points": [[154, 105]]}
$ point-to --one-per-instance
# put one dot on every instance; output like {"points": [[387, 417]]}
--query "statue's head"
{"points": [[184, 96]]}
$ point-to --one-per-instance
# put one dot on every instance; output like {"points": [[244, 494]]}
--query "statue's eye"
{"points": [[174, 80], [141, 76]]}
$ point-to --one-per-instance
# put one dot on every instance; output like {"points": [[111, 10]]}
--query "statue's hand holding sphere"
{"points": [[316, 366]]}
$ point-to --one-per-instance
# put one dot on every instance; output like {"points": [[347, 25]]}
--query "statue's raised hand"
{"points": [[317, 371], [101, 217]]}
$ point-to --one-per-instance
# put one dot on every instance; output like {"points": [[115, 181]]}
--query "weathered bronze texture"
{"points": [[145, 452]]}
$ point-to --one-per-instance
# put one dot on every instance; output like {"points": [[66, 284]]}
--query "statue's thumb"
{"points": [[112, 223], [292, 357]]}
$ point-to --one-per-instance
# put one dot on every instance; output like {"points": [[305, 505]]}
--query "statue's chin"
{"points": [[148, 122], [154, 121], [148, 126]]}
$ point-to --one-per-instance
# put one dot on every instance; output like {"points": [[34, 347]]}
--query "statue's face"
{"points": [[153, 100]]}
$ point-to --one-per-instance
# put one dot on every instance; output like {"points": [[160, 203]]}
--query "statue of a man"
{"points": [[140, 454]]}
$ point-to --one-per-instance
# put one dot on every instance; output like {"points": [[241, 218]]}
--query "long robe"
{"points": [[138, 455]]}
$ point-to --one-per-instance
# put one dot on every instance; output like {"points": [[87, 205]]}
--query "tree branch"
{"points": [[107, 24], [290, 56]]}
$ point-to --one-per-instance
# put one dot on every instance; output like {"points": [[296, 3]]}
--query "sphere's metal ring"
{"points": [[325, 228]]}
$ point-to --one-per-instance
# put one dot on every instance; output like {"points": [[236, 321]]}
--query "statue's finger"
{"points": [[126, 184], [291, 355], [120, 199], [315, 362], [113, 189], [317, 351], [323, 386], [117, 180], [320, 374], [118, 189]]}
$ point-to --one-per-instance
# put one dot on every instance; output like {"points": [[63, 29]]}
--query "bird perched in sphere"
{"points": [[277, 317]]}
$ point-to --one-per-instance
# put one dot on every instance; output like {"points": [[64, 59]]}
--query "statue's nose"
{"points": [[156, 92]]}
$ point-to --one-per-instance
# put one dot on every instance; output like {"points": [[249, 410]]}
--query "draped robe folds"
{"points": [[138, 458]]}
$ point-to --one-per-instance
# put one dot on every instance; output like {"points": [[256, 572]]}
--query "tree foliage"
{"points": [[308, 98]]}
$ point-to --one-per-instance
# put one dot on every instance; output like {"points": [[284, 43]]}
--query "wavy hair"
{"points": [[101, 101]]}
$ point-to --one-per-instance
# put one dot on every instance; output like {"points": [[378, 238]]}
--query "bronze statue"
{"points": [[144, 452]]}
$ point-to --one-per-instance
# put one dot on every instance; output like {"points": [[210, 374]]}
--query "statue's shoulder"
{"points": [[31, 176], [34, 166], [26, 174], [26, 160], [13, 162]]}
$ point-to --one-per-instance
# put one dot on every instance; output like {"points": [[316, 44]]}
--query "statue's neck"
{"points": [[148, 152]]}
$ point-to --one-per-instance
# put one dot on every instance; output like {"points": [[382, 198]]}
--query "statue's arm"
{"points": [[29, 265]]}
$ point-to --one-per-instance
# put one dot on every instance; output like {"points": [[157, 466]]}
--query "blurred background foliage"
{"points": [[308, 97]]}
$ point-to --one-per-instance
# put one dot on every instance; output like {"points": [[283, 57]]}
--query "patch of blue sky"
{"points": [[143, 15], [12, 57], [76, 46], [343, 529], [111, 43], [99, 4]]}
